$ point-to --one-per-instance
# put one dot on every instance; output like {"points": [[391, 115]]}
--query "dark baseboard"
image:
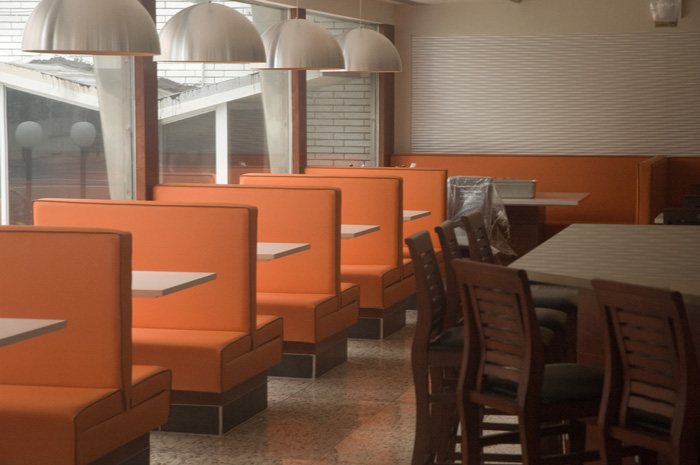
{"points": [[313, 360], [374, 324], [207, 413]]}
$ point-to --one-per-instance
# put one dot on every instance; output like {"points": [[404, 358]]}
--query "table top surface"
{"points": [[152, 284], [19, 329], [549, 199], [348, 231], [273, 250], [409, 215], [648, 255]]}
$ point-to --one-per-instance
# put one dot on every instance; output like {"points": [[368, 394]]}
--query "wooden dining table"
{"points": [[648, 255]]}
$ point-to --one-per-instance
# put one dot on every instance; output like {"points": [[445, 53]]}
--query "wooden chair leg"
{"points": [[470, 417], [420, 444], [530, 439], [610, 451]]}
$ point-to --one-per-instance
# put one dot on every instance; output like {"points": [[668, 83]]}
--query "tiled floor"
{"points": [[361, 413]]}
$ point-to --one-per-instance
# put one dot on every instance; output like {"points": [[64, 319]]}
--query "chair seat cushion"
{"points": [[349, 293], [300, 313], [557, 297], [43, 424], [373, 281], [550, 318], [195, 357], [269, 328], [563, 382], [658, 424], [147, 381]]}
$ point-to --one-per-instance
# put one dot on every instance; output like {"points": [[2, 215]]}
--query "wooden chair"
{"points": [[651, 368], [503, 368], [553, 304], [436, 355], [694, 189], [682, 216]]}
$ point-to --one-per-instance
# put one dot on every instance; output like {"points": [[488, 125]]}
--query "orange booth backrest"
{"points": [[423, 189], [364, 200], [285, 214], [179, 237], [83, 277]]}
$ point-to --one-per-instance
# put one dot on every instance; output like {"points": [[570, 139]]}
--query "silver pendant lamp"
{"points": [[213, 33], [301, 44], [91, 27], [368, 51]]}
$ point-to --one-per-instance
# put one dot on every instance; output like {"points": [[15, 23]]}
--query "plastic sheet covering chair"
{"points": [[503, 368], [650, 400], [467, 193], [436, 355]]}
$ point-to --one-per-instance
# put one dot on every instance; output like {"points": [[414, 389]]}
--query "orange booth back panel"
{"points": [[360, 205], [179, 237], [423, 189], [285, 214], [610, 180], [73, 276]]}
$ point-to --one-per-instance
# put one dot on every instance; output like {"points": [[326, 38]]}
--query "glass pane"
{"points": [[341, 110], [68, 120], [198, 98]]}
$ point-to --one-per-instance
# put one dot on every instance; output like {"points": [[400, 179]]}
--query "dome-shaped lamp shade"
{"points": [[301, 44], [212, 33], [91, 27], [368, 51]]}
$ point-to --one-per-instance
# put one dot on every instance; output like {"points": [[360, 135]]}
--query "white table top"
{"points": [[18, 329], [348, 231], [152, 284], [543, 199], [647, 255], [273, 250], [409, 215]]}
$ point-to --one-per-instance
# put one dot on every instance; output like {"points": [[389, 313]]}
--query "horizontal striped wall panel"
{"points": [[616, 94]]}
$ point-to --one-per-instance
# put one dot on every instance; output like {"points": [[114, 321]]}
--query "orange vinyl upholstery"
{"points": [[423, 189], [374, 261], [303, 288], [67, 397], [206, 335], [610, 180]]}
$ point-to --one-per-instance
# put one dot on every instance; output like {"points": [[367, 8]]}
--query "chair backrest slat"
{"points": [[499, 314], [651, 360], [479, 242]]}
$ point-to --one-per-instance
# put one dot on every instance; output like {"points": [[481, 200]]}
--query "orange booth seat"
{"points": [[72, 396], [374, 261], [423, 189], [304, 288], [207, 335]]}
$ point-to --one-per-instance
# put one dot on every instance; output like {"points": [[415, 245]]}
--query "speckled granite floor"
{"points": [[360, 413]]}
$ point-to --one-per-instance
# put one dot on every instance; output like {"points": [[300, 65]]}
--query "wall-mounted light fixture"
{"points": [[665, 12]]}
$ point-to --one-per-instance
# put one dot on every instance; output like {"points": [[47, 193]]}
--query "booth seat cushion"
{"points": [[147, 381], [268, 328], [349, 293], [195, 357], [407, 270], [301, 313], [41, 424], [373, 281]]}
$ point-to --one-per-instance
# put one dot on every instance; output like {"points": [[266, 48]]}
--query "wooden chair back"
{"points": [[450, 251], [479, 242], [504, 335], [651, 367], [432, 303]]}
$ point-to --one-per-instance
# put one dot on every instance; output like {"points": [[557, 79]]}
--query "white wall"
{"points": [[506, 18]]}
